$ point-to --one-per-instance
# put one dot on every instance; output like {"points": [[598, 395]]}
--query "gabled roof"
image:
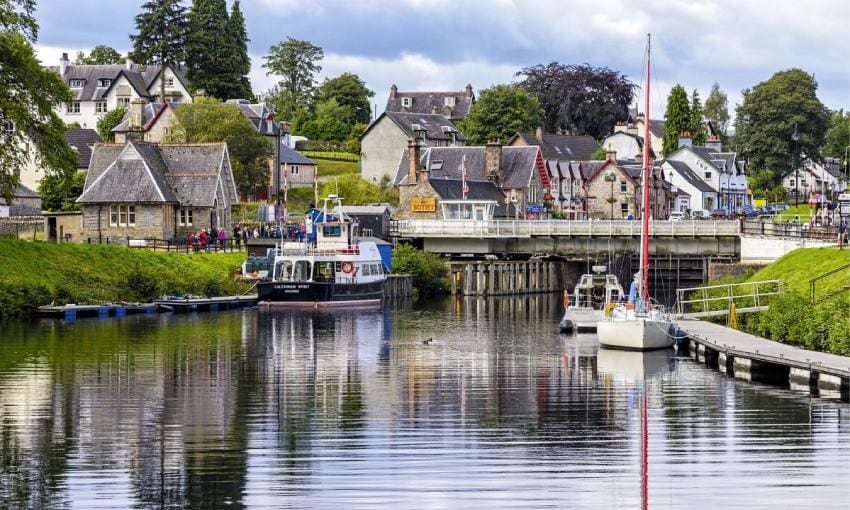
{"points": [[258, 114], [569, 147], [452, 189], [436, 127], [518, 164], [293, 157], [140, 77], [82, 141], [21, 192], [138, 172], [690, 176], [150, 113], [426, 102], [833, 167]]}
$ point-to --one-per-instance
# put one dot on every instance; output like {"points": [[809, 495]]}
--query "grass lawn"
{"points": [[329, 167], [800, 266]]}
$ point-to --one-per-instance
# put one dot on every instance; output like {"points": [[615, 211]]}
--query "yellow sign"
{"points": [[423, 205], [759, 202]]}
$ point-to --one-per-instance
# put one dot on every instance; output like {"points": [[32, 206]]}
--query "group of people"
{"points": [[214, 238], [206, 239]]}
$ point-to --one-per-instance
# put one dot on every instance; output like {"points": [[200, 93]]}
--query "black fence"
{"points": [[790, 229], [172, 245]]}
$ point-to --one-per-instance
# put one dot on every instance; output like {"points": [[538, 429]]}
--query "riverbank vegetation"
{"points": [[35, 274], [429, 270]]}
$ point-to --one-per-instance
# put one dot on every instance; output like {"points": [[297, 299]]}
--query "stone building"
{"points": [[146, 122], [453, 105], [143, 190], [612, 189], [25, 202]]}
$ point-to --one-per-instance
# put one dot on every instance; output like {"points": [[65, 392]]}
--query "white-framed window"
{"points": [[449, 100], [121, 215], [406, 101], [123, 102], [294, 170], [185, 217], [8, 128], [624, 209], [72, 107], [532, 194], [76, 83], [100, 107], [169, 82], [623, 187], [707, 175], [113, 215], [104, 82]]}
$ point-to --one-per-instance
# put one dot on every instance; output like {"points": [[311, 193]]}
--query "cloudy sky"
{"points": [[445, 44]]}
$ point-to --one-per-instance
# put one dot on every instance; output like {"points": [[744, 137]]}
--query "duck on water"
{"points": [[330, 268]]}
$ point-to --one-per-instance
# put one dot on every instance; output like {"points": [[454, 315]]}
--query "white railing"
{"points": [[567, 228]]}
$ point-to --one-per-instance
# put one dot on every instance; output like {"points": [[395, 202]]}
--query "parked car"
{"points": [[678, 216], [746, 211], [700, 214], [720, 214]]}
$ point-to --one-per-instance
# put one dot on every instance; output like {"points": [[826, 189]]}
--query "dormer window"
{"points": [[449, 100], [76, 84], [406, 102], [103, 82]]}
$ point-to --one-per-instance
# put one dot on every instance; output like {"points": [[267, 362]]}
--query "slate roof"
{"points": [[833, 167], [569, 147], [452, 189], [150, 112], [258, 114], [517, 166], [656, 127], [21, 192], [689, 175], [82, 141], [367, 209], [724, 161], [431, 124], [425, 102], [140, 77], [139, 172], [293, 157]]}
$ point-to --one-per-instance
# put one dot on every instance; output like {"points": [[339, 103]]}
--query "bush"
{"points": [[429, 270], [143, 284]]}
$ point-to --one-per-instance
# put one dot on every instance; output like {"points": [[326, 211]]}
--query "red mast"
{"points": [[647, 176]]}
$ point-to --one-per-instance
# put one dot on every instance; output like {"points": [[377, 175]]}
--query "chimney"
{"points": [[493, 161], [685, 139], [128, 64], [538, 133], [435, 109], [611, 154], [412, 160], [63, 64], [468, 90], [393, 91], [135, 120], [712, 142]]}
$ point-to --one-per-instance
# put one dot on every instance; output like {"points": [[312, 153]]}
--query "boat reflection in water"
{"points": [[635, 366]]}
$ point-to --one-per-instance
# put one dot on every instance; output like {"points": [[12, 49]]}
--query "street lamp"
{"points": [[796, 138], [612, 178]]}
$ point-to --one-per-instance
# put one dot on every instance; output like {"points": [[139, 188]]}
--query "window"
{"points": [[406, 101], [113, 215], [8, 128], [104, 82], [294, 170], [623, 187], [76, 84], [449, 101], [186, 217], [122, 215], [331, 231], [624, 209], [131, 215], [123, 102], [73, 107], [532, 195], [100, 107], [707, 175], [169, 82]]}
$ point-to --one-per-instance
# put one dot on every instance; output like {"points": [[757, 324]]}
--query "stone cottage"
{"points": [[144, 190]]}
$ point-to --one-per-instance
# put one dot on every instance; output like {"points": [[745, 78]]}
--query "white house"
{"points": [[721, 170], [813, 177]]}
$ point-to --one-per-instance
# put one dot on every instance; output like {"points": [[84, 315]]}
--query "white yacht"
{"points": [[594, 294]]}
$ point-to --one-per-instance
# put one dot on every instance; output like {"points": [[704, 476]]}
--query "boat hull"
{"points": [[581, 319], [320, 295], [636, 334]]}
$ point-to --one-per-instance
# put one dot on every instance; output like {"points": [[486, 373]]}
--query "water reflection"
{"points": [[328, 410]]}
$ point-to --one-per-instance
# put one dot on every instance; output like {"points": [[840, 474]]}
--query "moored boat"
{"points": [[594, 294]]}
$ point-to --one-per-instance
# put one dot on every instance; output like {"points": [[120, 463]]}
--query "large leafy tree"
{"points": [[296, 63], [716, 110], [108, 122], [677, 119], [29, 95], [100, 55], [837, 139], [60, 192], [697, 128], [348, 90], [331, 122], [209, 120], [499, 113], [764, 121], [161, 39], [579, 99], [238, 35]]}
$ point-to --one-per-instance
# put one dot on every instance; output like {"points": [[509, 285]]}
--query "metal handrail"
{"points": [[758, 293]]}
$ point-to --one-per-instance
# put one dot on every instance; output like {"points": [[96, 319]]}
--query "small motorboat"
{"points": [[595, 294]]}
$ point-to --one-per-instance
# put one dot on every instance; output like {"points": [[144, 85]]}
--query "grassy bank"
{"points": [[35, 274]]}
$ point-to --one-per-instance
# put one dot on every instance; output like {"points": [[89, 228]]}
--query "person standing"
{"points": [[221, 236], [214, 238], [204, 239]]}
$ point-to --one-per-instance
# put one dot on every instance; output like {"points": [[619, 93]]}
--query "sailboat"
{"points": [[640, 324]]}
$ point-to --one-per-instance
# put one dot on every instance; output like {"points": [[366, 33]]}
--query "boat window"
{"points": [[367, 270], [338, 267], [323, 272], [332, 231], [284, 270], [301, 272]]}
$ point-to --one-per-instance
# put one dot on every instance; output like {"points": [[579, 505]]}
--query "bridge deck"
{"points": [[565, 228], [737, 343]]}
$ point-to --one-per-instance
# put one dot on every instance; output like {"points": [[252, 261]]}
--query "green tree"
{"points": [[59, 192], [29, 96], [214, 57], [107, 123], [677, 119], [697, 128], [332, 122], [161, 39], [100, 55], [352, 143], [296, 63], [599, 154], [837, 138], [428, 269], [499, 113], [348, 90], [209, 120], [764, 121], [716, 110], [241, 59]]}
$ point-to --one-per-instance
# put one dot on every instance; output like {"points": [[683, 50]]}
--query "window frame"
{"points": [[294, 170], [76, 83], [186, 218], [624, 187], [169, 82], [124, 101], [101, 107], [72, 108], [103, 83], [113, 215], [407, 102]]}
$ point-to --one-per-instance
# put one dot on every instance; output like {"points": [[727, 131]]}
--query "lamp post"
{"points": [[796, 138], [611, 177]]}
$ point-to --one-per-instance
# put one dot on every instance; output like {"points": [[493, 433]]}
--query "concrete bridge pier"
{"points": [[802, 380], [833, 386]]}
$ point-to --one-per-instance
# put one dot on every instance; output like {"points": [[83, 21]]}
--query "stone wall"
{"points": [[720, 270], [599, 190], [152, 221]]}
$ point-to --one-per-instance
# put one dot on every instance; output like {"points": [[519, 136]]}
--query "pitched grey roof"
{"points": [[724, 161], [518, 164], [569, 147], [367, 209], [426, 102], [689, 175], [21, 192], [436, 127], [452, 189], [833, 166], [150, 112], [656, 127], [82, 141], [258, 114], [293, 157], [138, 172], [140, 77]]}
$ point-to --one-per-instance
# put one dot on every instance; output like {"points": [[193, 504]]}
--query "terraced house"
{"points": [[162, 191]]}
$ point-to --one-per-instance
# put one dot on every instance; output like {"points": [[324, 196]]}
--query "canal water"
{"points": [[455, 404]]}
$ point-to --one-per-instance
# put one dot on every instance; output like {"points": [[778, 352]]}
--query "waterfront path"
{"points": [[751, 357]]}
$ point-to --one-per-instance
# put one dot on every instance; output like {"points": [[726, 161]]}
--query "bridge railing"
{"points": [[556, 228]]}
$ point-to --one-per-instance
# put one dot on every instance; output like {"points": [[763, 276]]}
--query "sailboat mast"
{"points": [[644, 232]]}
